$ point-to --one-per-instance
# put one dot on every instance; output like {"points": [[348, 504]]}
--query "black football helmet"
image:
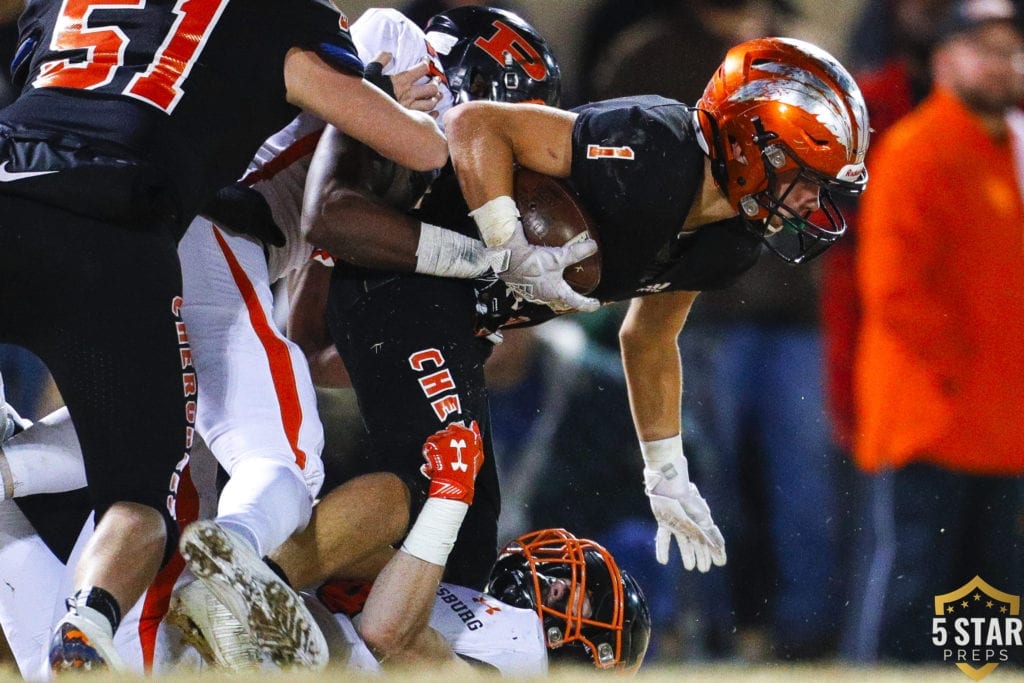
{"points": [[492, 54], [597, 615]]}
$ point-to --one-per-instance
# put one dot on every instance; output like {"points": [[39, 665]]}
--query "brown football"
{"points": [[552, 216]]}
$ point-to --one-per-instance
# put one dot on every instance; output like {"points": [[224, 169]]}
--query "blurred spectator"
{"points": [[890, 55], [755, 411], [755, 418], [890, 51], [940, 364]]}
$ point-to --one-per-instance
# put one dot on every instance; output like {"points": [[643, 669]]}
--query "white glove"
{"points": [[681, 512], [533, 272], [536, 273]]}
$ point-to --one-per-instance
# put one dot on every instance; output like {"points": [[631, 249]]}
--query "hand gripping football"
{"points": [[552, 216]]}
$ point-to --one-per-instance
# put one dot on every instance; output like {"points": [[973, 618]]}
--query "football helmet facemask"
{"points": [[591, 610], [492, 54], [783, 108]]}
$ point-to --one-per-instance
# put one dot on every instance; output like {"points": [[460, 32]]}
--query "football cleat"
{"points": [[81, 646], [208, 626], [275, 617]]}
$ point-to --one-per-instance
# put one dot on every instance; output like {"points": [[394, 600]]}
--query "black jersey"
{"points": [[637, 166], [191, 89]]}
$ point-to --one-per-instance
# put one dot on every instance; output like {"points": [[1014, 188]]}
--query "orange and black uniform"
{"points": [[130, 116], [408, 341]]}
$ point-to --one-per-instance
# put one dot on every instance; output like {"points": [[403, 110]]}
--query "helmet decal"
{"points": [[493, 54], [507, 43], [780, 108]]}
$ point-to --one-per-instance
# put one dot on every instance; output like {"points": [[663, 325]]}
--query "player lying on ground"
{"points": [[547, 589]]}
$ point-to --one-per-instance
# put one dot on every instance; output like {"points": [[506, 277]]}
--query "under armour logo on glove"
{"points": [[454, 456], [458, 445]]}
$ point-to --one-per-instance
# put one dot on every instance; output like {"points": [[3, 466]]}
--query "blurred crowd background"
{"points": [[837, 542]]}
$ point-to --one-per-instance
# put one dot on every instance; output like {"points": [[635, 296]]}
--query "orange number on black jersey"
{"points": [[160, 84]]}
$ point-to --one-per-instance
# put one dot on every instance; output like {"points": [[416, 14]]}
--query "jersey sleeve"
{"points": [[629, 146], [324, 30], [388, 30]]}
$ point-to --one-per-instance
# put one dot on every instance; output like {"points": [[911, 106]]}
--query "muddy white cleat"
{"points": [[275, 617], [80, 646], [210, 628]]}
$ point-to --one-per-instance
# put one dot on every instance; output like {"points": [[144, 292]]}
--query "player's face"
{"points": [[555, 594], [799, 193]]}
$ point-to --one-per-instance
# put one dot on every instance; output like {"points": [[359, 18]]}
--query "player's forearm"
{"points": [[485, 138], [648, 339], [367, 113], [654, 381], [364, 231], [481, 153], [394, 621]]}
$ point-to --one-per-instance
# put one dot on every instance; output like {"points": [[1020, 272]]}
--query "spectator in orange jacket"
{"points": [[940, 370]]}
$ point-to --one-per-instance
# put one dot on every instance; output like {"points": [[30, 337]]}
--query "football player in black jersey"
{"points": [[130, 116], [407, 339], [683, 198]]}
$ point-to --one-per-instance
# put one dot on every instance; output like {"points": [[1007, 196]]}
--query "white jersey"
{"points": [[278, 171], [478, 627], [481, 628]]}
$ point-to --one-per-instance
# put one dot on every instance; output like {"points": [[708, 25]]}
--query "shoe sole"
{"points": [[278, 622], [191, 634], [236, 659]]}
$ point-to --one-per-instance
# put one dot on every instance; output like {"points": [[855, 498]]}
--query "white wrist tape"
{"points": [[433, 535], [447, 253], [496, 220], [664, 456]]}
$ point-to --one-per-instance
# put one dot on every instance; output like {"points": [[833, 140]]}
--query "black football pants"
{"points": [[98, 303], [416, 366]]}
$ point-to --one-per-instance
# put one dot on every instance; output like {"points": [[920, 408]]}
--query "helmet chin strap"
{"points": [[718, 167]]}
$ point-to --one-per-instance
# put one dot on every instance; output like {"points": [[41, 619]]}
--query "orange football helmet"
{"points": [[777, 105], [597, 614]]}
